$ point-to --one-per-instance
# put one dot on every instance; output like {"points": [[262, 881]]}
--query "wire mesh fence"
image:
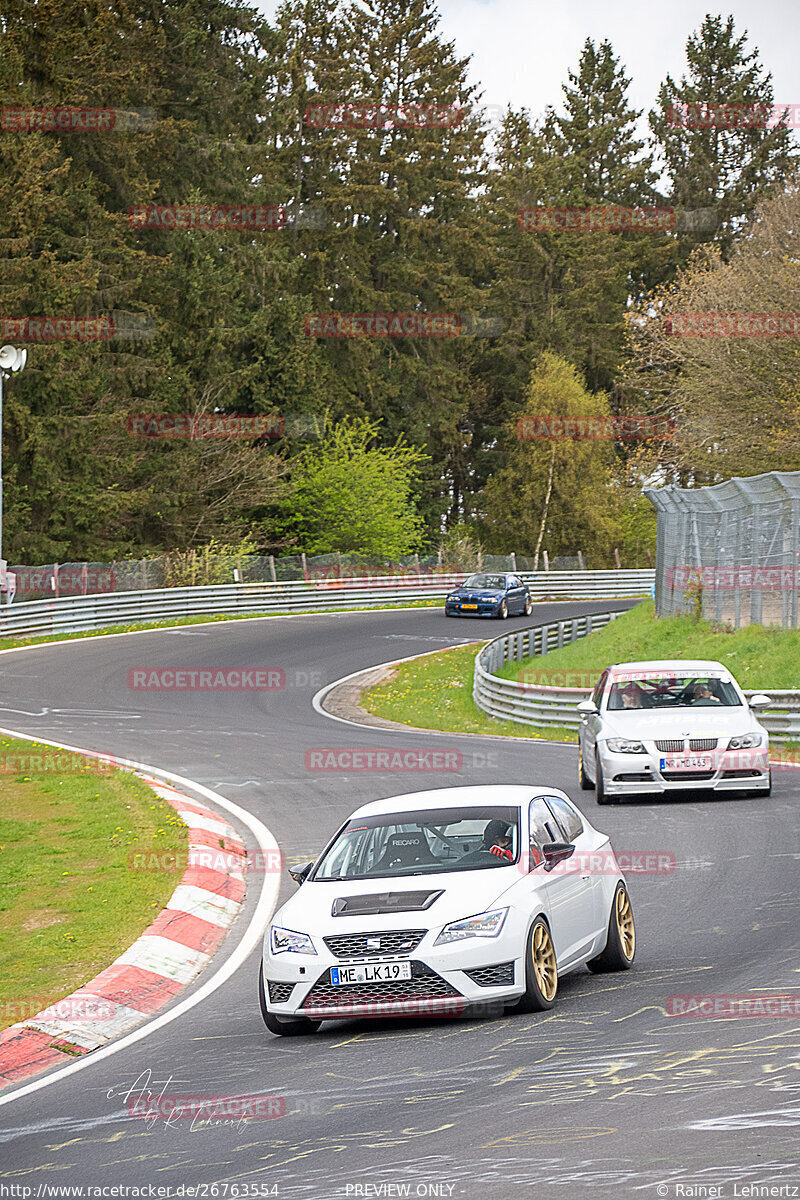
{"points": [[198, 569], [730, 552]]}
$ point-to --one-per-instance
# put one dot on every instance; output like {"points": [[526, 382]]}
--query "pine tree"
{"points": [[402, 235], [725, 164]]}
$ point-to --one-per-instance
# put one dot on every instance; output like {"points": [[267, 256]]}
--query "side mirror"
{"points": [[760, 701], [556, 852], [299, 872], [587, 707]]}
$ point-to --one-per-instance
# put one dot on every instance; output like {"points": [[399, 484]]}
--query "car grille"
{"points": [[686, 776], [424, 984], [495, 976], [393, 941], [677, 745], [279, 993]]}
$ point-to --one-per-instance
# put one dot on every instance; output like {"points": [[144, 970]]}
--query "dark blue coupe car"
{"points": [[489, 595]]}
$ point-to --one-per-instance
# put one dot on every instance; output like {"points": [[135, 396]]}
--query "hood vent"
{"points": [[384, 902]]}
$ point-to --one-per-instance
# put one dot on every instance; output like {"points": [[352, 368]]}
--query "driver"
{"points": [[497, 839]]}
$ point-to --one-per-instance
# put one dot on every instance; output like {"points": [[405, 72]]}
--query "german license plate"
{"points": [[379, 972], [697, 762], [469, 606]]}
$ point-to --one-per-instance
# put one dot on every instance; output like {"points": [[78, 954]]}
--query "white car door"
{"points": [[591, 726], [569, 893], [592, 856]]}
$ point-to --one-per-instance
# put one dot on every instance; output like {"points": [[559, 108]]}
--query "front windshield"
{"points": [[497, 582], [425, 842], [670, 691]]}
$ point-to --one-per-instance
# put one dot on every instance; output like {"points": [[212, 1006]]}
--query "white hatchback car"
{"points": [[441, 901], [657, 727]]}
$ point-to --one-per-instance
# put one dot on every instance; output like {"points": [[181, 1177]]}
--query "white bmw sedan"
{"points": [[658, 727], [441, 901]]}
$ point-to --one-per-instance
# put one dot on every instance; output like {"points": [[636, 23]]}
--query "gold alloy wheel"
{"points": [[625, 926], [544, 962]]}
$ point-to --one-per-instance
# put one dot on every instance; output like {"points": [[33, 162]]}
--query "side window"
{"points": [[597, 694], [568, 819], [543, 825], [515, 581]]}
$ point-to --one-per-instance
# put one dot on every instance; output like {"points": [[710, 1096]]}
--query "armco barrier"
{"points": [[534, 704], [77, 613]]}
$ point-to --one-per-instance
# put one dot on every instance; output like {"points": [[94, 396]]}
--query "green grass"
{"points": [[757, 656], [435, 692], [69, 901], [174, 622]]}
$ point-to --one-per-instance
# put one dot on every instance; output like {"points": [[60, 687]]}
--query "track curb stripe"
{"points": [[162, 961]]}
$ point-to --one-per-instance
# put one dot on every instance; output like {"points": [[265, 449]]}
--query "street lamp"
{"points": [[11, 361]]}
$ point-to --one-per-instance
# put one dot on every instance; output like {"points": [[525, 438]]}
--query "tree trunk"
{"points": [[546, 508]]}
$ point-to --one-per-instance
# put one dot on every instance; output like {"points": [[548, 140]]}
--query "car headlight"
{"points": [[281, 940], [624, 746], [745, 742], [487, 924]]}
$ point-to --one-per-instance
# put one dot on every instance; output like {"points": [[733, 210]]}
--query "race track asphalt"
{"points": [[603, 1096]]}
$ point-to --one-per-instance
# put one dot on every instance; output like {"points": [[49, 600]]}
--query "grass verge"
{"points": [[757, 656], [435, 692], [69, 901]]}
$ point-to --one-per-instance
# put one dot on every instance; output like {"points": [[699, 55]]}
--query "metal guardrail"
{"points": [[535, 704], [588, 585], [529, 703], [80, 613]]}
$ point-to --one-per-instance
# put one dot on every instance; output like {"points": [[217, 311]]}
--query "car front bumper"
{"points": [[635, 774], [446, 979], [482, 610]]}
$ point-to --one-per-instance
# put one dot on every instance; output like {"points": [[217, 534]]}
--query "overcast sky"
{"points": [[521, 50]]}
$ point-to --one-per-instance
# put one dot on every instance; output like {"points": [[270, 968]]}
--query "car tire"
{"points": [[599, 785], [585, 782], [620, 949], [528, 606], [282, 1026], [541, 971], [502, 611]]}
